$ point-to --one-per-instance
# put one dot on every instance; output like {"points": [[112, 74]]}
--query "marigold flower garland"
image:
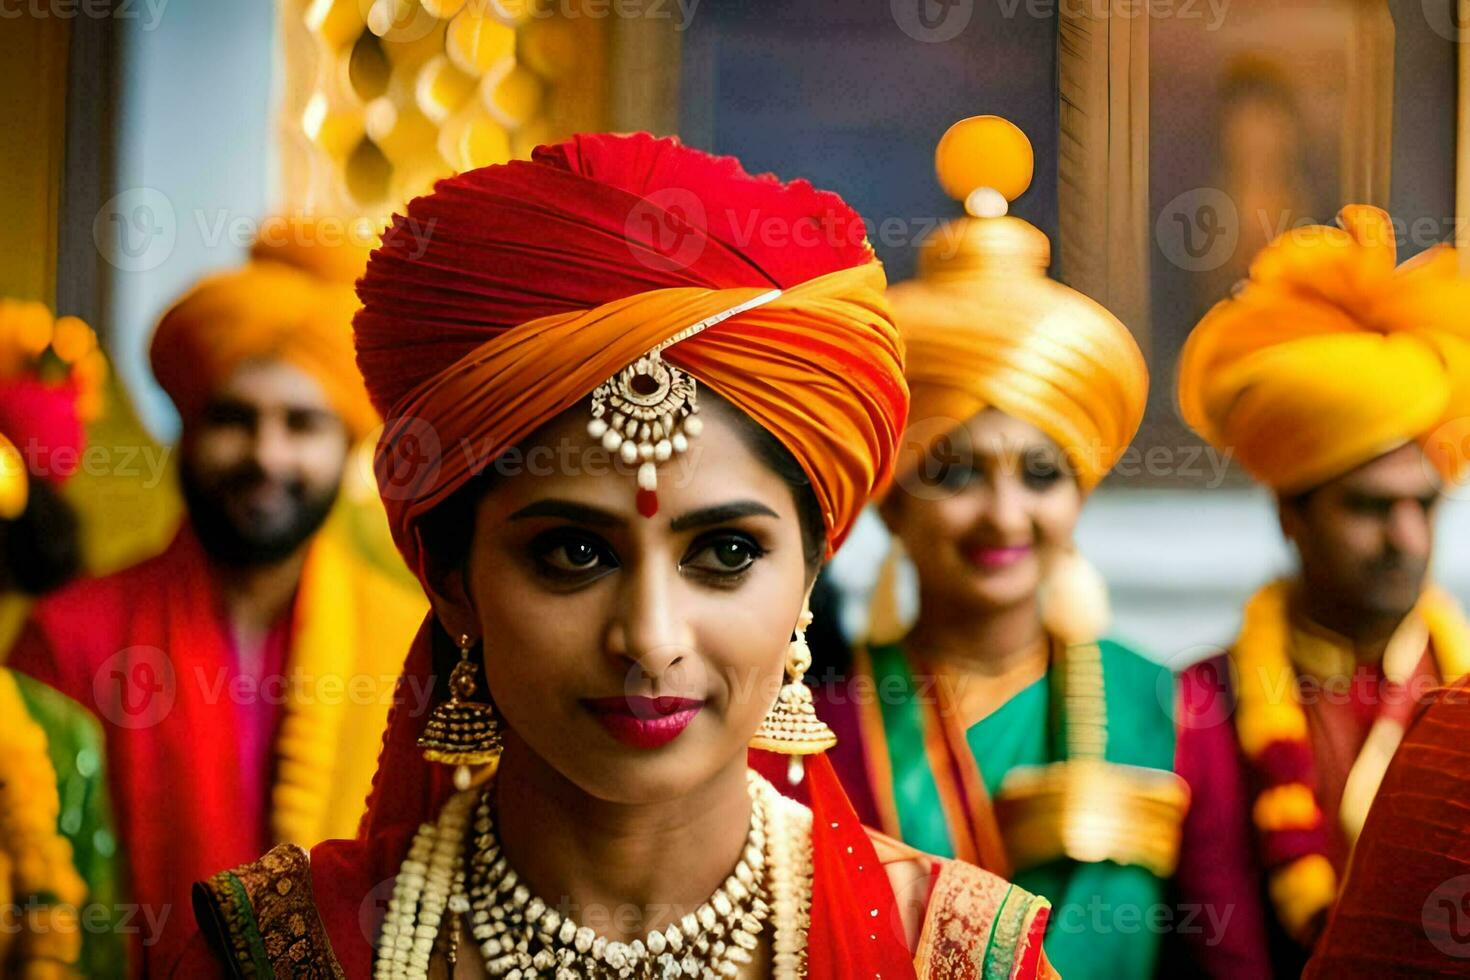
{"points": [[1273, 732], [37, 878]]}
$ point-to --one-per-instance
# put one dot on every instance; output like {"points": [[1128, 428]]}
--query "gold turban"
{"points": [[1328, 356], [287, 302], [984, 326]]}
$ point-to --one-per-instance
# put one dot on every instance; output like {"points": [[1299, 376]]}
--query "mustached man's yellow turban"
{"points": [[1329, 356], [292, 301], [984, 326]]}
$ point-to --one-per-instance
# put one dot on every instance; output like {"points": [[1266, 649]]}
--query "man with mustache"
{"points": [[1340, 382], [244, 675]]}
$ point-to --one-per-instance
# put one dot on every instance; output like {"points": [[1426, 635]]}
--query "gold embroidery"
{"points": [[959, 940], [270, 920]]}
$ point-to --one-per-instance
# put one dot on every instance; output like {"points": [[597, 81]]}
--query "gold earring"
{"points": [[462, 732], [792, 727]]}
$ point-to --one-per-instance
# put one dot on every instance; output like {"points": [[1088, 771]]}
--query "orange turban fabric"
{"points": [[985, 328], [288, 303], [1329, 356], [511, 292]]}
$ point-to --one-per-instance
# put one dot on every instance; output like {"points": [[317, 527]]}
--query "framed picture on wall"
{"points": [[1199, 138]]}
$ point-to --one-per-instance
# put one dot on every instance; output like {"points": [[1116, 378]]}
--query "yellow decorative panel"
{"points": [[383, 97]]}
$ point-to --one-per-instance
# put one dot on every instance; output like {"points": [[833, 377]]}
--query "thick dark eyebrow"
{"points": [[584, 514], [720, 514], [568, 510]]}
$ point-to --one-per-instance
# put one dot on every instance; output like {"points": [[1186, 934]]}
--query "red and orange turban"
{"points": [[511, 292], [984, 327], [293, 301], [1329, 356]]}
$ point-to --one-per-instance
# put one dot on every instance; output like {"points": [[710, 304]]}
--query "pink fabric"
{"points": [[1217, 873], [41, 421]]}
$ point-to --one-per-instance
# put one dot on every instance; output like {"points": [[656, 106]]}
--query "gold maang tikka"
{"points": [[648, 411]]}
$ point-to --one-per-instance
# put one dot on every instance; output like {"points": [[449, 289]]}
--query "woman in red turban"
{"points": [[635, 396]]}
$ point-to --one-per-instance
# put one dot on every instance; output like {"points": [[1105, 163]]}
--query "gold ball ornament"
{"points": [[14, 481], [984, 152]]}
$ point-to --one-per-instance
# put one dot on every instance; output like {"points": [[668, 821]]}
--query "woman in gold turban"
{"points": [[1003, 728], [621, 438]]}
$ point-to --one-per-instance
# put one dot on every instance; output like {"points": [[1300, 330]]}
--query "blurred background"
{"points": [[142, 141]]}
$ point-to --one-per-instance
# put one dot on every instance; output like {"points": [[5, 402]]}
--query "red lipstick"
{"points": [[644, 722], [990, 557]]}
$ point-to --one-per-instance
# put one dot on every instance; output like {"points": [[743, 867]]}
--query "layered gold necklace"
{"points": [[519, 935]]}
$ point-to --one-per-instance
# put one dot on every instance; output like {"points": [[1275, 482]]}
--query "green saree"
{"points": [[1097, 834]]}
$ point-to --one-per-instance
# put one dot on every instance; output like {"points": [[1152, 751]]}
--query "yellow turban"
{"points": [[287, 303], [1329, 356], [985, 328]]}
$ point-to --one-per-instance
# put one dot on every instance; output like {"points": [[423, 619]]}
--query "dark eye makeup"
{"points": [[723, 557], [1040, 471], [571, 557]]}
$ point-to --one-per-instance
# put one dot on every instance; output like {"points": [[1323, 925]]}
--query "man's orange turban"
{"points": [[511, 292], [288, 303], [984, 327], [1329, 356]]}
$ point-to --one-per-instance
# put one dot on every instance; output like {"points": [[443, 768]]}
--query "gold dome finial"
{"points": [[985, 162]]}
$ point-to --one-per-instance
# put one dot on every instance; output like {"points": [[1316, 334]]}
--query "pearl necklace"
{"points": [[521, 938]]}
